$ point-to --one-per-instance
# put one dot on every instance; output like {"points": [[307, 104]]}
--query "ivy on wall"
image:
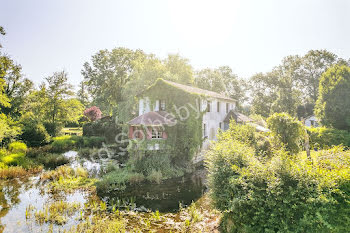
{"points": [[184, 137]]}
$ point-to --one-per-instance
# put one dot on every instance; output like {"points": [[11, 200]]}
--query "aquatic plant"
{"points": [[67, 179]]}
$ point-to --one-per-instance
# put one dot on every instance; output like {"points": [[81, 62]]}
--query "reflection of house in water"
{"points": [[217, 110]]}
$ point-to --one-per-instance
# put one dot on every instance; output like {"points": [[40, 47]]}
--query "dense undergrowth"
{"points": [[285, 192]]}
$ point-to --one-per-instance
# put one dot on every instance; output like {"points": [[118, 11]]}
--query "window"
{"points": [[220, 125], [218, 106], [156, 134], [227, 106], [204, 130], [208, 106], [162, 105]]}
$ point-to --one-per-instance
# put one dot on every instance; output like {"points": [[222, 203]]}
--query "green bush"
{"points": [[35, 134], [283, 194], [155, 161], [106, 128], [323, 138], [248, 135], [51, 161], [288, 130], [66, 143], [17, 147], [155, 176]]}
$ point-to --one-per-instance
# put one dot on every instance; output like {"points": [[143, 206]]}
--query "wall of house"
{"points": [[311, 121], [212, 119]]}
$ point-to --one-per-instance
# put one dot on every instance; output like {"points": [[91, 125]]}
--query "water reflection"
{"points": [[164, 197]]}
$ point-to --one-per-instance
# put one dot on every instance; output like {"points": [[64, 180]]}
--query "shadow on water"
{"points": [[164, 197]]}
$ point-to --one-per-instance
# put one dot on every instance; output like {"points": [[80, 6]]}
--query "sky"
{"points": [[250, 36]]}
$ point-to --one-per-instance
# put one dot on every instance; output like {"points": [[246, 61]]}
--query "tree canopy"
{"points": [[333, 103]]}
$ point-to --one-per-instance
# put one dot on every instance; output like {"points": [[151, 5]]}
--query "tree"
{"points": [[106, 76], [58, 90], [178, 68], [333, 103], [93, 113], [17, 88], [263, 89], [83, 95], [312, 65], [222, 80], [288, 130]]}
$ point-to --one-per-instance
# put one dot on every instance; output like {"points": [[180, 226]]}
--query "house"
{"points": [[182, 116], [311, 121]]}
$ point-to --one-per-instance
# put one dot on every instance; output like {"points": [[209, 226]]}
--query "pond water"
{"points": [[164, 197], [17, 195]]}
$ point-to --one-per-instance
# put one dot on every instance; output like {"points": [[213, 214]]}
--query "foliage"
{"points": [[288, 130], [108, 74], [333, 104], [17, 147], [282, 194], [324, 138], [51, 161], [185, 138], [156, 162], [66, 143], [291, 84], [106, 128], [34, 133], [93, 113], [67, 179], [9, 129], [222, 80], [17, 172]]}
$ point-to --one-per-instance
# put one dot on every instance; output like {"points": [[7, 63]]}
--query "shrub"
{"points": [[17, 147], [52, 161], [333, 103], [282, 194], [247, 134], [35, 134], [155, 176], [155, 161], [323, 138], [93, 113], [106, 128], [288, 130], [65, 143], [53, 129]]}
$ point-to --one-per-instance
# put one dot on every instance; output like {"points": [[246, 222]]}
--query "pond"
{"points": [[164, 197], [17, 195]]}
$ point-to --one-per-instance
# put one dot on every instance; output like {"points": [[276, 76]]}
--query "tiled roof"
{"points": [[200, 91], [239, 117], [153, 119]]}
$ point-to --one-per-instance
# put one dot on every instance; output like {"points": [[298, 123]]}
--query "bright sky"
{"points": [[249, 36]]}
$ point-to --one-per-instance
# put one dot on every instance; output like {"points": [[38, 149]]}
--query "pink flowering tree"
{"points": [[93, 113]]}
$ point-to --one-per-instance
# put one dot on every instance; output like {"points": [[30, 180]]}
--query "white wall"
{"points": [[213, 118], [308, 121]]}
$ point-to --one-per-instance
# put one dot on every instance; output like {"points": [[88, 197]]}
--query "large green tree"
{"points": [[312, 65], [222, 80], [59, 107], [107, 74], [333, 103]]}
